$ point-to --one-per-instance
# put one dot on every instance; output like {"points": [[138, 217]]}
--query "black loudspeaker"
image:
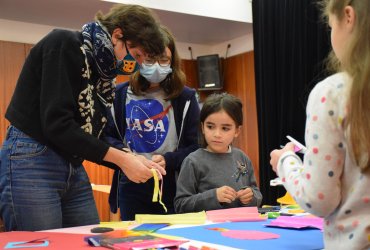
{"points": [[209, 74]]}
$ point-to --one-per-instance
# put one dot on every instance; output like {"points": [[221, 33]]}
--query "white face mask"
{"points": [[155, 73]]}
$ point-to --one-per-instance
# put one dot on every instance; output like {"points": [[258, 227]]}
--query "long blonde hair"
{"points": [[356, 62]]}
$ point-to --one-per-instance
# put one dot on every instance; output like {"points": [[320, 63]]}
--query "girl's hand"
{"points": [[160, 160], [275, 154], [245, 195], [226, 194]]}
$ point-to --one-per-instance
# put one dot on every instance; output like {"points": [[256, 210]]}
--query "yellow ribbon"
{"points": [[157, 192]]}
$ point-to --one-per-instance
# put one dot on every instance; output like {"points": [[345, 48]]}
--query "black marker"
{"points": [[101, 229]]}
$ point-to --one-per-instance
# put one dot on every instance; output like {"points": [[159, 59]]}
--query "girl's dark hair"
{"points": [[174, 82], [138, 25], [217, 102]]}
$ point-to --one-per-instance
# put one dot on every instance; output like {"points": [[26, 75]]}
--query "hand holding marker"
{"points": [[298, 148]]}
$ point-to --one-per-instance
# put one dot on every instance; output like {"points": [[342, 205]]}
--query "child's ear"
{"points": [[237, 131], [350, 16]]}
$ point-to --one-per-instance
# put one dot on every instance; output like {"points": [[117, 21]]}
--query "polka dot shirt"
{"points": [[328, 183]]}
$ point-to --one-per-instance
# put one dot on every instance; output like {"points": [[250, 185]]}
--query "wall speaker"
{"points": [[209, 74]]}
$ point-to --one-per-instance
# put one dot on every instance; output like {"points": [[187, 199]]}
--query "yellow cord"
{"points": [[157, 192]]}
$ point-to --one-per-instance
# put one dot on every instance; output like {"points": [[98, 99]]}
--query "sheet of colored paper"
{"points": [[156, 243], [118, 224], [287, 199], [187, 218], [235, 214], [307, 239], [149, 227], [249, 235], [297, 222]]}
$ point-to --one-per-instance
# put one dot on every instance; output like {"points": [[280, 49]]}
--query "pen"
{"points": [[286, 214], [298, 147]]}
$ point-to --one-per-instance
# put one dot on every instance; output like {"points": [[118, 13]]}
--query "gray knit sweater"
{"points": [[202, 172]]}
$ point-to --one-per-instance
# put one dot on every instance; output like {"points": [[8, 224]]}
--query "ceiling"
{"points": [[73, 14]]}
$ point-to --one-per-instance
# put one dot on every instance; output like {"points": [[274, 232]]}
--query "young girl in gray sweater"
{"points": [[218, 175]]}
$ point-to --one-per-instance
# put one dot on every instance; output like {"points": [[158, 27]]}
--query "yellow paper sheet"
{"points": [[186, 218], [118, 224], [287, 199]]}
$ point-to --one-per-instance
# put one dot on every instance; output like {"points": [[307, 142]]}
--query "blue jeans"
{"points": [[39, 189]]}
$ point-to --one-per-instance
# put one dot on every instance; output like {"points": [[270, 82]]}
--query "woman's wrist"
{"points": [[116, 156]]}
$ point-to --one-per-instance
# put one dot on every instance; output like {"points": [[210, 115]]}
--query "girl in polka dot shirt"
{"points": [[333, 181]]}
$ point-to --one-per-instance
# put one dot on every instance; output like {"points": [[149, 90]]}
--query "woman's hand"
{"points": [[275, 154], [136, 167], [226, 194]]}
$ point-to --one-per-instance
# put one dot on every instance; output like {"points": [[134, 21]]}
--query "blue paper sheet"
{"points": [[302, 239]]}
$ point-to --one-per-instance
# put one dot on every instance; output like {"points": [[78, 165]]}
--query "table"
{"points": [[198, 235]]}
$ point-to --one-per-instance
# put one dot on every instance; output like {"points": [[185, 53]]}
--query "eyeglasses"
{"points": [[162, 61]]}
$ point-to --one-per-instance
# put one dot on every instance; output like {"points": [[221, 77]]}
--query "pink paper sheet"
{"points": [[249, 235], [235, 214], [297, 222]]}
